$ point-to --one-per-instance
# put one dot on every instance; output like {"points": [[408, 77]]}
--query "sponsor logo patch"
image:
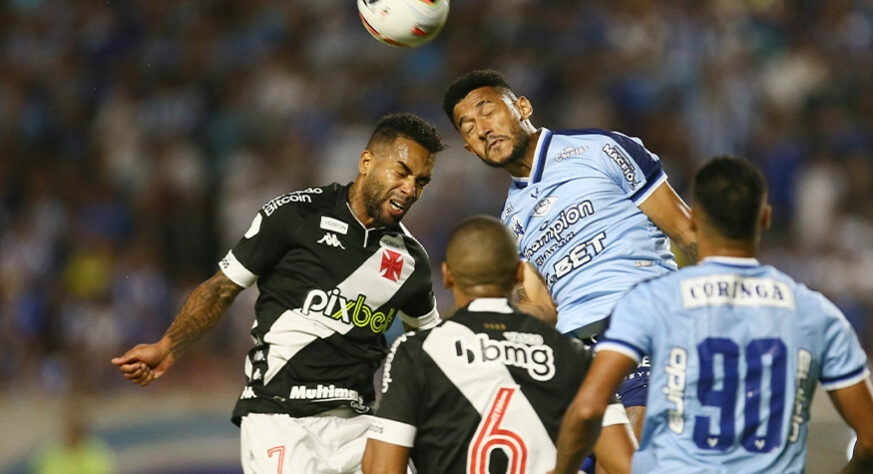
{"points": [[542, 207], [623, 162], [334, 225], [332, 304], [569, 152]]}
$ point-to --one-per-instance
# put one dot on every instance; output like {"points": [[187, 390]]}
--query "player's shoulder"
{"points": [[311, 199], [413, 245], [600, 136]]}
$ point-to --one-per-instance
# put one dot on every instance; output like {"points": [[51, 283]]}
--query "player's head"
{"points": [[482, 259], [494, 123], [396, 166], [730, 201]]}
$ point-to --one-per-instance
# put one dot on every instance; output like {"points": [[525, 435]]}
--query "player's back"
{"points": [[491, 387], [737, 349]]}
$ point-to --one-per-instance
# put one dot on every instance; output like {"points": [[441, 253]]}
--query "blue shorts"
{"points": [[635, 387]]}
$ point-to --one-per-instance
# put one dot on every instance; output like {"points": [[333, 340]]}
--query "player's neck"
{"points": [[726, 248], [356, 204], [522, 167], [467, 295]]}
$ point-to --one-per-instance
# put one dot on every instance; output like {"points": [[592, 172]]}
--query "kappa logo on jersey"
{"points": [[247, 393], [331, 240], [392, 264], [538, 359], [332, 304], [623, 162]]}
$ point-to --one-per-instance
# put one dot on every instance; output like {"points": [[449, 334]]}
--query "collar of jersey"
{"points": [[733, 261], [490, 305], [539, 161]]}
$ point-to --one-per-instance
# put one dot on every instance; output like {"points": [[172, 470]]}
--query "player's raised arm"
{"points": [[201, 311], [670, 213]]}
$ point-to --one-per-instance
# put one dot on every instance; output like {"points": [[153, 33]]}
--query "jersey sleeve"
{"points": [[264, 243], [396, 421], [844, 362], [419, 310], [636, 170], [630, 330]]}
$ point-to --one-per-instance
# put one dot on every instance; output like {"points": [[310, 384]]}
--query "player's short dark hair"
{"points": [[411, 126], [482, 252], [468, 82], [731, 191]]}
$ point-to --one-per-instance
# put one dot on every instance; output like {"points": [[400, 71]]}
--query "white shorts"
{"points": [[321, 444]]}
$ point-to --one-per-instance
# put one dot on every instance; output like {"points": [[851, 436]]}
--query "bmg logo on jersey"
{"points": [[332, 304], [539, 360]]}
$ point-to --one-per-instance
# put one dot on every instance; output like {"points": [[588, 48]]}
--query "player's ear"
{"points": [[467, 147], [365, 162], [766, 216], [524, 107], [694, 217], [519, 274], [448, 281]]}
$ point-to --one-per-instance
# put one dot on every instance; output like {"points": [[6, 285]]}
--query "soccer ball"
{"points": [[403, 23]]}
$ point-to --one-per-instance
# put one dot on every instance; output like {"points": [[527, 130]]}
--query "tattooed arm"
{"points": [[201, 312], [534, 298]]}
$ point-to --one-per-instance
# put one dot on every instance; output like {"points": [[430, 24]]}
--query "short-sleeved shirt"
{"points": [[736, 349], [329, 289], [577, 221], [489, 386]]}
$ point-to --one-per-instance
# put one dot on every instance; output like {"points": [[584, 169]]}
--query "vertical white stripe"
{"points": [[479, 382]]}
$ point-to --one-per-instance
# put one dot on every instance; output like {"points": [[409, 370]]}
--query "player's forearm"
{"points": [[579, 432], [202, 310]]}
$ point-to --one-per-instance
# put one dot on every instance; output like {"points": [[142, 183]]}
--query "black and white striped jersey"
{"points": [[484, 391], [329, 289]]}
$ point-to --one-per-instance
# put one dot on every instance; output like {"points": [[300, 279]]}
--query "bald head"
{"points": [[482, 258]]}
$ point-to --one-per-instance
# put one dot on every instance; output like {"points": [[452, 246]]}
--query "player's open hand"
{"points": [[144, 363]]}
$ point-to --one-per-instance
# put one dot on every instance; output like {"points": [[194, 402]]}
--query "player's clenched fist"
{"points": [[145, 362]]}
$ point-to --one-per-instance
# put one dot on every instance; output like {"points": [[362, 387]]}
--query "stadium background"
{"points": [[138, 138]]}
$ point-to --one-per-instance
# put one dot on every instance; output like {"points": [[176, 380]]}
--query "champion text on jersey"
{"points": [[392, 264], [331, 304], [537, 359], [331, 240]]}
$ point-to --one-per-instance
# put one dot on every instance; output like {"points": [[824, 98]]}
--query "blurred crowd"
{"points": [[139, 137]]}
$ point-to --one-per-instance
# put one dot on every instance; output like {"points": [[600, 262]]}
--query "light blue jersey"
{"points": [[737, 349], [577, 221]]}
